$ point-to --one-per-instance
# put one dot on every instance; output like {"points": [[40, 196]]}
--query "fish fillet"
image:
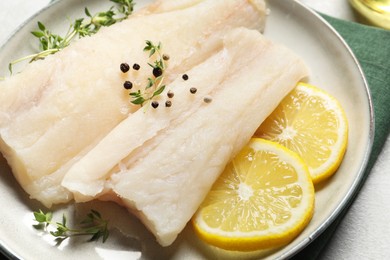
{"points": [[165, 186], [58, 109], [161, 6], [86, 178]]}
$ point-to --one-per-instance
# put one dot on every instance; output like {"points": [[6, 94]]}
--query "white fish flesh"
{"points": [[58, 109], [86, 178]]}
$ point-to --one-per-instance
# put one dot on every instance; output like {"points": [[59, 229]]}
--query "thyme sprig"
{"points": [[154, 86], [93, 225], [51, 43]]}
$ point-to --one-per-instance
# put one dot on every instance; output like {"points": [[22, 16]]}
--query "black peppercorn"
{"points": [[157, 72], [136, 66], [124, 67], [155, 104], [185, 77], [127, 85], [168, 103]]}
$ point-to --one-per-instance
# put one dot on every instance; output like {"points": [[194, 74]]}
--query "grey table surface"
{"points": [[364, 233]]}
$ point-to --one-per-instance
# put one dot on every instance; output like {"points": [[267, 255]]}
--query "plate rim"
{"points": [[360, 177], [358, 181]]}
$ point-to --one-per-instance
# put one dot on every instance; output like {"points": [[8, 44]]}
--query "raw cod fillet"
{"points": [[86, 178], [165, 180], [161, 6], [58, 109]]}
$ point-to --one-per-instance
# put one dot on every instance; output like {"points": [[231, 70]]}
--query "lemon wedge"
{"points": [[263, 199], [313, 124]]}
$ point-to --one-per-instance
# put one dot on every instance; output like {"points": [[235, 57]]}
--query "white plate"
{"points": [[333, 68]]}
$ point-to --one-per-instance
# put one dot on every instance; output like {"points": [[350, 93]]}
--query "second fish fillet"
{"points": [[173, 172]]}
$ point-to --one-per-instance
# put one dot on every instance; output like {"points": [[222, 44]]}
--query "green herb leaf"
{"points": [[148, 46], [41, 26], [150, 83], [93, 225], [126, 7], [138, 101], [159, 91], [42, 217], [86, 11], [38, 34]]}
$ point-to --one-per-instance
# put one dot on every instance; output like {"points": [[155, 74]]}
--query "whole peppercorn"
{"points": [[155, 104], [157, 72], [185, 77], [127, 85], [168, 103], [193, 90], [136, 66], [207, 99], [170, 94], [124, 67], [165, 57]]}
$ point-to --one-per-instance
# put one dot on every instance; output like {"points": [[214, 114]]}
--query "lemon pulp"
{"points": [[313, 124], [263, 199]]}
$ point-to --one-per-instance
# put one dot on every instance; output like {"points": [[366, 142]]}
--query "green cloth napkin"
{"points": [[372, 48]]}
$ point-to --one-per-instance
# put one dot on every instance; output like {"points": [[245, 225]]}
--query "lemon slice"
{"points": [[263, 199], [313, 124]]}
